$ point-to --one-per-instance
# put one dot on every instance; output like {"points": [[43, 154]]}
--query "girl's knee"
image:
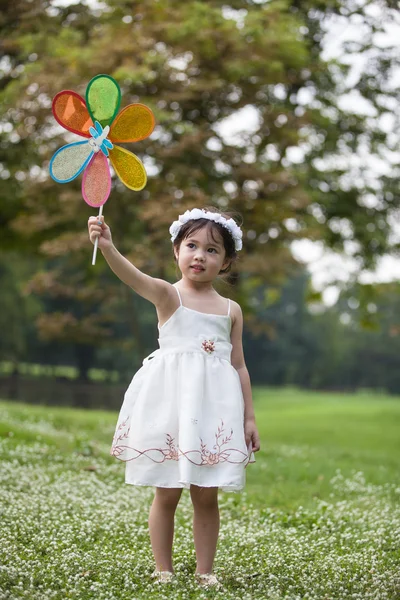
{"points": [[168, 497], [204, 497]]}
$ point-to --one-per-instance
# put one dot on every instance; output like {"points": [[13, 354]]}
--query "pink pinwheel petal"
{"points": [[96, 182]]}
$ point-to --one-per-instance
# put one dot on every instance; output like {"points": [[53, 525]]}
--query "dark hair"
{"points": [[195, 224]]}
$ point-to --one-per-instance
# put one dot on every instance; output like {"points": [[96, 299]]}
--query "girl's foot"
{"points": [[163, 576], [207, 580]]}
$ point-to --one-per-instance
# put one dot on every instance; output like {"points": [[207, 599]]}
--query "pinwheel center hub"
{"points": [[99, 140]]}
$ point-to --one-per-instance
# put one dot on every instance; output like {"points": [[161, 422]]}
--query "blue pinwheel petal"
{"points": [[99, 128], [69, 161], [108, 144], [93, 132]]}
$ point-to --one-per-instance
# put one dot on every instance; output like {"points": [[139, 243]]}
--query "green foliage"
{"points": [[352, 345], [195, 63], [17, 310]]}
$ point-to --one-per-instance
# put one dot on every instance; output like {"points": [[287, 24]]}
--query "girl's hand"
{"points": [[251, 434], [99, 229]]}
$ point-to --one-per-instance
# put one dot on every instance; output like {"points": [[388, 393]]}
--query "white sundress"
{"points": [[182, 418]]}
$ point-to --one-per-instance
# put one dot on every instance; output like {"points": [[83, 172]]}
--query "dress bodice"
{"points": [[188, 323]]}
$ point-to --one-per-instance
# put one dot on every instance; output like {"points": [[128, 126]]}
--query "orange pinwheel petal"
{"points": [[132, 124], [70, 111], [129, 168]]}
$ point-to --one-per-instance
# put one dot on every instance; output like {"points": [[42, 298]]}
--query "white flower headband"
{"points": [[197, 213]]}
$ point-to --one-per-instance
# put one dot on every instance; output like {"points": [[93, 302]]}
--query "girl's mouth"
{"points": [[197, 269]]}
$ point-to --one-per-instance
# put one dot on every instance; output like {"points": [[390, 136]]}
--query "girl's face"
{"points": [[199, 249]]}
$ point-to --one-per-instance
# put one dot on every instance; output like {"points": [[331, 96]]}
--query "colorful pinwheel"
{"points": [[98, 121]]}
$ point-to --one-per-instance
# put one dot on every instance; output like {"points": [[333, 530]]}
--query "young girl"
{"points": [[187, 419]]}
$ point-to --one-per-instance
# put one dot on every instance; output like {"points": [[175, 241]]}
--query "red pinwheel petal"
{"points": [[69, 109]]}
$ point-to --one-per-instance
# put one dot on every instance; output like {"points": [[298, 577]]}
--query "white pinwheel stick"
{"points": [[97, 240], [96, 143]]}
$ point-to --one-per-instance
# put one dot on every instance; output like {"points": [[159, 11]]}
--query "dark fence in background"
{"points": [[60, 392]]}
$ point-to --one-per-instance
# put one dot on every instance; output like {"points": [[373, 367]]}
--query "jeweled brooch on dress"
{"points": [[208, 346]]}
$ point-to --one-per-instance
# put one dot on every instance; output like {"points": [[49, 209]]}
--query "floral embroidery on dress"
{"points": [[172, 453], [117, 450], [213, 458], [202, 457], [208, 346]]}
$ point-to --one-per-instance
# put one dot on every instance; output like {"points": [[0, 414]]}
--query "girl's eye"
{"points": [[191, 244]]}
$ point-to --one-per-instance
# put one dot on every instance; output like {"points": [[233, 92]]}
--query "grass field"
{"points": [[319, 519]]}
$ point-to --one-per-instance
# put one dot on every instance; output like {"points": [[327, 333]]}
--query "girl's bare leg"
{"points": [[161, 525], [205, 526]]}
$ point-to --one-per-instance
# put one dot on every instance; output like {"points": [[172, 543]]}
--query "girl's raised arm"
{"points": [[153, 289]]}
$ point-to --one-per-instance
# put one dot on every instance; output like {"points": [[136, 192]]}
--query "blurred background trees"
{"points": [[298, 169]]}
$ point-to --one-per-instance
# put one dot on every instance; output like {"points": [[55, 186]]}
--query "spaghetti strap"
{"points": [[229, 307], [180, 299]]}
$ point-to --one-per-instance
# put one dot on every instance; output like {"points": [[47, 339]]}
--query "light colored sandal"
{"points": [[207, 580], [163, 576]]}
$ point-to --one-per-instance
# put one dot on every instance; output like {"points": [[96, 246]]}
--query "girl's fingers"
{"points": [[94, 235], [97, 220], [97, 228]]}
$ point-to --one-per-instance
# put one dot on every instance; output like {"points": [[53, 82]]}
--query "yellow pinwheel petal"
{"points": [[133, 123], [129, 168]]}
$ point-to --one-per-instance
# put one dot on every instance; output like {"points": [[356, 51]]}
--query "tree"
{"points": [[194, 64]]}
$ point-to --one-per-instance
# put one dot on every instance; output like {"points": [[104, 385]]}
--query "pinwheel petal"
{"points": [[69, 161], [134, 123], [129, 168], [69, 109], [103, 98], [96, 182]]}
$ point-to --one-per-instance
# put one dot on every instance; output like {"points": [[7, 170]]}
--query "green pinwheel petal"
{"points": [[103, 99]]}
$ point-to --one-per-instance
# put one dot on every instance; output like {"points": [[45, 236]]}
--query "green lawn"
{"points": [[319, 519]]}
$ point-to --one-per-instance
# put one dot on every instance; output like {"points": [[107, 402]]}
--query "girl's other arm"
{"points": [[152, 289], [237, 360]]}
